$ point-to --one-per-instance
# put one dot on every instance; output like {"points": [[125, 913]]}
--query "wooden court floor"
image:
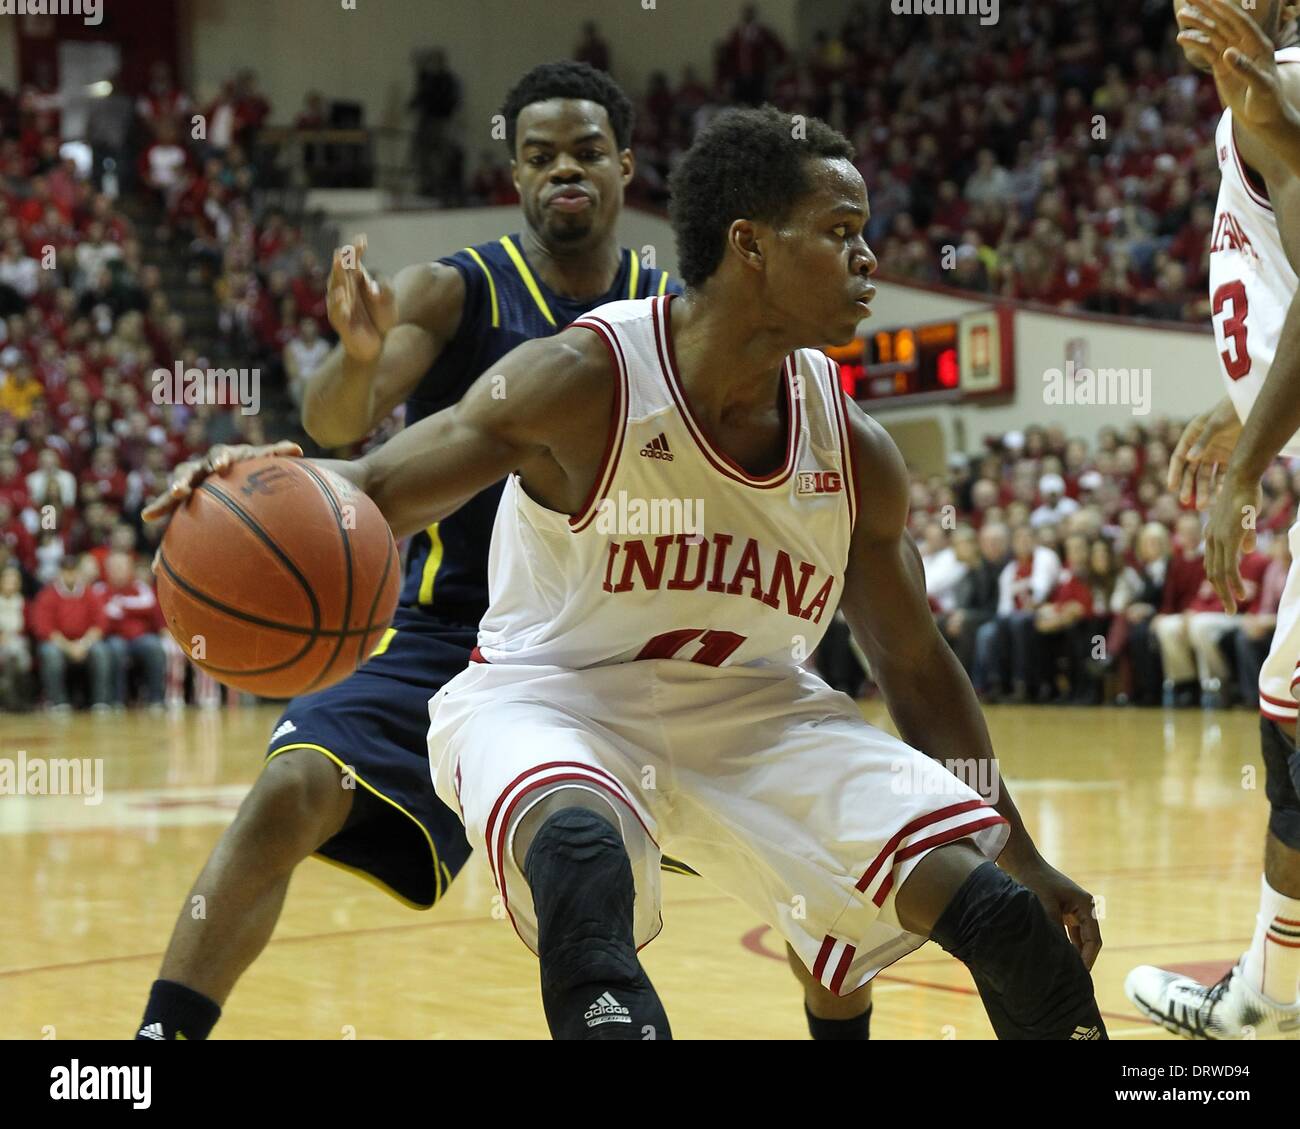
{"points": [[1153, 812]]}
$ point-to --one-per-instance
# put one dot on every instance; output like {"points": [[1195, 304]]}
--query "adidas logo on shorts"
{"points": [[285, 727], [657, 448], [152, 1031], [606, 1010], [1086, 1033]]}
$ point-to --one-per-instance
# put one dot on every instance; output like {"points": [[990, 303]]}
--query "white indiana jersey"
{"points": [[679, 553], [1252, 282]]}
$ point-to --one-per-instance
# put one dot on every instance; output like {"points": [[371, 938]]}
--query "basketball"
{"points": [[278, 577]]}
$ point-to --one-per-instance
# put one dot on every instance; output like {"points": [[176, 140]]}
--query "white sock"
{"points": [[1273, 961]]}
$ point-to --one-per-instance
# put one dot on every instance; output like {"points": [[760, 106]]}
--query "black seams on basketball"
{"points": [[278, 577]]}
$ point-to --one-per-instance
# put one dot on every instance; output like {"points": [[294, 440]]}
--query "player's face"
{"points": [[569, 171], [818, 264]]}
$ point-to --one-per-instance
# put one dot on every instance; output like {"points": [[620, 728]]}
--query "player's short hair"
{"points": [[746, 164], [570, 80]]}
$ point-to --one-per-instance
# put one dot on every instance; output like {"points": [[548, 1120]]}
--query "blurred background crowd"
{"points": [[1063, 157]]}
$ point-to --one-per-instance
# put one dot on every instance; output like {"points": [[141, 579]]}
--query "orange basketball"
{"points": [[278, 577]]}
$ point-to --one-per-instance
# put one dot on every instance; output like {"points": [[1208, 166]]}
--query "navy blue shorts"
{"points": [[399, 834]]}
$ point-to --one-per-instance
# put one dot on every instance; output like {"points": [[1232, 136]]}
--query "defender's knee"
{"points": [[297, 804]]}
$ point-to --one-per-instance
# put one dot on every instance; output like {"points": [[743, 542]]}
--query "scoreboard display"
{"points": [[952, 360]]}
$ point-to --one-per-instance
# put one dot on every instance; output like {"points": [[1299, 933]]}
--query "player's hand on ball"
{"points": [[1067, 903], [1242, 57], [218, 460], [1202, 454], [1229, 533], [361, 310]]}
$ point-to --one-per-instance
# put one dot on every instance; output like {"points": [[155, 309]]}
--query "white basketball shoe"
{"points": [[1231, 1009]]}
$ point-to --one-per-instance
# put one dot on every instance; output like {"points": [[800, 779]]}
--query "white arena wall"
{"points": [[1182, 361]]}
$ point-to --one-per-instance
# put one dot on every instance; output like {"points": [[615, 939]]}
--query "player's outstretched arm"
{"points": [[1264, 98], [928, 694], [389, 335], [543, 410]]}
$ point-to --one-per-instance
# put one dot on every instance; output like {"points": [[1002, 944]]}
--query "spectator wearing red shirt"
{"points": [[163, 103], [1062, 626], [1192, 619], [749, 56], [135, 623], [106, 478], [69, 624]]}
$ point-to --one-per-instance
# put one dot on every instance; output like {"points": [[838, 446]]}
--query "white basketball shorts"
{"points": [[766, 781]]}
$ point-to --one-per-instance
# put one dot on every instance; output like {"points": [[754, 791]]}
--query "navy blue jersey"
{"points": [[506, 304]]}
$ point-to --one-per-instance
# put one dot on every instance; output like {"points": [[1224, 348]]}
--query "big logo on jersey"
{"points": [[680, 563]]}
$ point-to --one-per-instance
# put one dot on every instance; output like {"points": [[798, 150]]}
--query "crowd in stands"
{"points": [[1064, 572], [84, 441], [1064, 155]]}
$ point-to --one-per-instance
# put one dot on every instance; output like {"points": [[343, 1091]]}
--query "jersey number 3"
{"points": [[1236, 358]]}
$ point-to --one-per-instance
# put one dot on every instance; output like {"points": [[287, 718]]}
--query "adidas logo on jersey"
{"points": [[606, 1010], [819, 482], [657, 448], [284, 728]]}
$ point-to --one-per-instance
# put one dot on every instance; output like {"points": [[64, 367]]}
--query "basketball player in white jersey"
{"points": [[637, 690], [1254, 260]]}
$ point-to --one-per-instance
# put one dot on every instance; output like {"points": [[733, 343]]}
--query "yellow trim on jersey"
{"points": [[384, 640], [438, 866], [663, 284], [521, 266], [492, 286], [432, 563], [634, 275]]}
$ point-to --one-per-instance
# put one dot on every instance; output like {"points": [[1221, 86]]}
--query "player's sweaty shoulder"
{"points": [[555, 393], [430, 296]]}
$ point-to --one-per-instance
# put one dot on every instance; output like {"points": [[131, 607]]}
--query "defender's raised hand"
{"points": [[361, 310]]}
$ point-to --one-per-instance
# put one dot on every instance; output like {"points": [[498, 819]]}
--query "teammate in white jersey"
{"points": [[641, 685], [1253, 285]]}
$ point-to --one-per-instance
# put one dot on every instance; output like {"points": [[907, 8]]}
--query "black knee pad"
{"points": [[593, 985], [1281, 783], [1032, 980]]}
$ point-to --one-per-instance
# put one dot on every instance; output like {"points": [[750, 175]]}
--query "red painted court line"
{"points": [[1127, 948], [961, 991], [334, 935]]}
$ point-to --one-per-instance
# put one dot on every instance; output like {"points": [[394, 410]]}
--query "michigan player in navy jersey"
{"points": [[423, 342]]}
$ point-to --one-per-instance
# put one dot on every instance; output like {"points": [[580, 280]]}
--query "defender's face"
{"points": [[817, 265], [569, 171]]}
